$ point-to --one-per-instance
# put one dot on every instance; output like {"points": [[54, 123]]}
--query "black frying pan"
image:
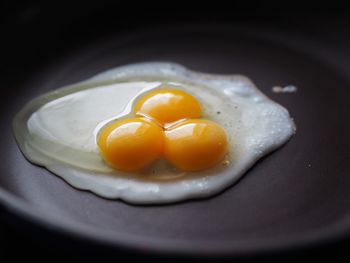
{"points": [[296, 196]]}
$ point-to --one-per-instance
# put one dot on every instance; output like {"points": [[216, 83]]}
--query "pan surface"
{"points": [[296, 195]]}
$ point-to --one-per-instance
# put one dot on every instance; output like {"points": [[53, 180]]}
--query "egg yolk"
{"points": [[168, 105], [131, 144], [195, 144], [167, 124]]}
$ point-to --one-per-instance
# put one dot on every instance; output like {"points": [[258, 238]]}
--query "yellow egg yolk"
{"points": [[166, 125], [131, 144], [168, 105], [195, 145]]}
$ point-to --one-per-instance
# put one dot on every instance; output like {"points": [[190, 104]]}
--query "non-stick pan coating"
{"points": [[299, 194]]}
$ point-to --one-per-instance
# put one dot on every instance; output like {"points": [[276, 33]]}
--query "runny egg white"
{"points": [[59, 130]]}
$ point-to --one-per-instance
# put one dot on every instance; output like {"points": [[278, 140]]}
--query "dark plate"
{"points": [[297, 195]]}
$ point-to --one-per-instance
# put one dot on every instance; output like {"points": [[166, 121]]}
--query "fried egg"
{"points": [[152, 133]]}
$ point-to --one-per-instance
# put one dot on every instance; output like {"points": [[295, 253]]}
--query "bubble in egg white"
{"points": [[58, 131]]}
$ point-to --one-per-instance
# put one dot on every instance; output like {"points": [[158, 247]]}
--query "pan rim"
{"points": [[162, 246]]}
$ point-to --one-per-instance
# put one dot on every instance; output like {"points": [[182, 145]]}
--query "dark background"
{"points": [[34, 30]]}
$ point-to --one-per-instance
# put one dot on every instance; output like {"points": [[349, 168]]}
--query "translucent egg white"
{"points": [[58, 131]]}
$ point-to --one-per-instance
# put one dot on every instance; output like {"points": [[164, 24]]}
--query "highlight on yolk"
{"points": [[131, 144], [168, 105], [195, 145]]}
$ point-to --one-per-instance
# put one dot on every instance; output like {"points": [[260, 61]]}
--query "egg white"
{"points": [[58, 131]]}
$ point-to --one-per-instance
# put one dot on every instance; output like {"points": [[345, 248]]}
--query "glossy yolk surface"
{"points": [[195, 145], [192, 144], [131, 144], [168, 105]]}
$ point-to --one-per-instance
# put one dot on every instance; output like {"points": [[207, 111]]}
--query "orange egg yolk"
{"points": [[195, 145], [168, 105], [131, 144], [189, 144]]}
